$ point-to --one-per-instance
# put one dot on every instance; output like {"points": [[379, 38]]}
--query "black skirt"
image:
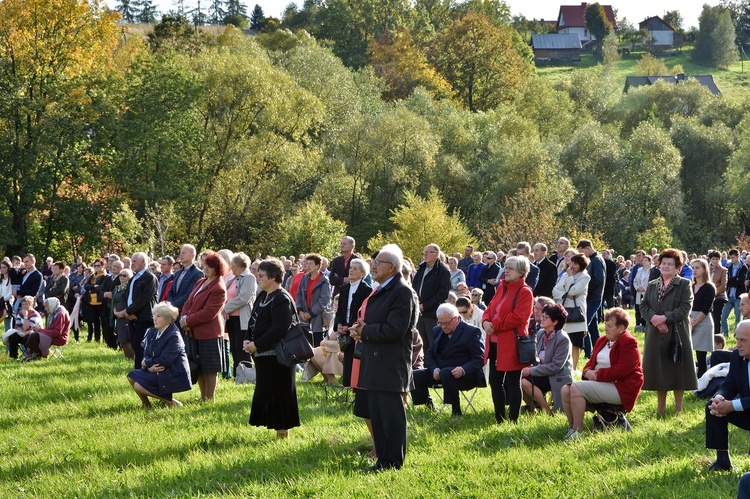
{"points": [[275, 398]]}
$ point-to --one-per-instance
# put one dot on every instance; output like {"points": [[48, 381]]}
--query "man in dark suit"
{"points": [[724, 408], [184, 279], [610, 280], [141, 299], [547, 271], [30, 280], [596, 270], [386, 334], [339, 274], [467, 260], [432, 283], [454, 360]]}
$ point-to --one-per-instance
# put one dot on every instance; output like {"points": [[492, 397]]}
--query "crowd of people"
{"points": [[390, 327]]}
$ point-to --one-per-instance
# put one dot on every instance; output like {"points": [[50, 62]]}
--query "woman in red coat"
{"points": [[203, 322], [613, 374], [507, 314]]}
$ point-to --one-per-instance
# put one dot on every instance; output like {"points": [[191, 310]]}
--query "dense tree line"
{"points": [[272, 143]]}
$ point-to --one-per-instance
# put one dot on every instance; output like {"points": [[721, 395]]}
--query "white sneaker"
{"points": [[572, 435]]}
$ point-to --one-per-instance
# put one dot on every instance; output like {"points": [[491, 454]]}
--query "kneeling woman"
{"points": [[555, 368], [164, 369], [613, 374]]}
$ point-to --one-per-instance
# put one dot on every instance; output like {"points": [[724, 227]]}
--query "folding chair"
{"points": [[337, 394], [437, 390], [56, 351]]}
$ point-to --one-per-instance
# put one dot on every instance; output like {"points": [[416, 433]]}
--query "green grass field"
{"points": [[733, 83], [74, 428]]}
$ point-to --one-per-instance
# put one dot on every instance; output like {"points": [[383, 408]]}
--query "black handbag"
{"points": [[575, 314], [345, 342], [526, 344], [357, 354], [294, 347], [194, 359], [675, 346]]}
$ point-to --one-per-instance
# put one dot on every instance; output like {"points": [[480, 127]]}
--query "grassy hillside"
{"points": [[733, 83]]}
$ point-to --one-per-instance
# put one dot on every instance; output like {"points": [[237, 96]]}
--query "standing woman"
{"points": [[700, 317], [202, 321], [314, 297], [6, 293], [719, 278], [571, 291], [75, 291], [667, 305], [275, 398], [457, 275], [240, 297], [507, 314]]}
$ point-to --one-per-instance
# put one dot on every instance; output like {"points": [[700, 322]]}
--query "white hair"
{"points": [[362, 265], [396, 254], [447, 308]]}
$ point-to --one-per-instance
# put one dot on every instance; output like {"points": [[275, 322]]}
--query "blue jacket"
{"points": [[472, 276], [168, 351], [179, 297]]}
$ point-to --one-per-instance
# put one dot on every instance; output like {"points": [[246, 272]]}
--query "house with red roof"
{"points": [[572, 19]]}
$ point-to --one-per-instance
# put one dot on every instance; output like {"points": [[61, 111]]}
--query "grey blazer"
{"points": [[321, 299], [558, 363], [246, 290]]}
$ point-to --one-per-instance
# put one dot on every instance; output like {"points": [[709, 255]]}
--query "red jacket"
{"points": [[625, 371], [506, 320], [59, 328], [203, 310]]}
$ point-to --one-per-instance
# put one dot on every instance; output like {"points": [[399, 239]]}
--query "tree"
{"points": [[216, 12], [421, 221], [146, 11], [485, 64], [310, 229], [598, 25], [257, 18], [674, 19], [59, 60], [715, 42], [403, 66], [128, 10], [648, 65]]}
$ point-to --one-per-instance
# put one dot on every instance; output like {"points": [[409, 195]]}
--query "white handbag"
{"points": [[245, 373]]}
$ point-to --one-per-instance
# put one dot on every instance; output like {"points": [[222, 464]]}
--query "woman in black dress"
{"points": [[275, 399]]}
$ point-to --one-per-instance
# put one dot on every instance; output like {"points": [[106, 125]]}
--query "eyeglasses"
{"points": [[446, 323], [544, 316], [475, 294], [378, 262], [124, 275]]}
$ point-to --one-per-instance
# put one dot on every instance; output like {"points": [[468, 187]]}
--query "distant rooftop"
{"points": [[556, 41], [705, 80]]}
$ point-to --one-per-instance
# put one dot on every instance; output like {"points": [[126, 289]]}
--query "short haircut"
{"points": [[140, 256], [580, 260], [452, 259], [447, 308], [619, 316], [349, 239], [719, 340], [396, 255], [733, 251], [470, 247], [556, 312], [113, 257], [463, 302], [273, 269], [714, 254], [674, 254], [241, 260], [165, 310], [315, 258], [168, 258], [477, 291], [27, 299], [584, 243], [519, 264], [542, 246], [544, 301], [226, 255], [647, 257], [30, 256], [216, 262], [524, 247], [191, 248], [128, 272], [363, 265], [60, 265]]}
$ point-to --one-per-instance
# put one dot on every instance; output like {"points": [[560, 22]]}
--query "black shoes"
{"points": [[720, 466]]}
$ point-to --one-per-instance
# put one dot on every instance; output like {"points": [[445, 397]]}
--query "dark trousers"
{"points": [[14, 341], [716, 314], [108, 332], [639, 321], [317, 338], [388, 427], [505, 387], [236, 337], [592, 319], [425, 325], [137, 333], [717, 431], [95, 326], [423, 380]]}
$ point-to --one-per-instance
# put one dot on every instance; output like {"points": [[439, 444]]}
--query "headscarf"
{"points": [[53, 304]]}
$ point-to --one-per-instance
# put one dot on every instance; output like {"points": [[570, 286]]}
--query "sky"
{"points": [[635, 10]]}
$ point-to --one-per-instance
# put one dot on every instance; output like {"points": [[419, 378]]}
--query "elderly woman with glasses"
{"points": [[164, 369], [507, 316]]}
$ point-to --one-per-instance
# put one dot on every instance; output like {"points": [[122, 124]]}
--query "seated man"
{"points": [[724, 408], [454, 360]]}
